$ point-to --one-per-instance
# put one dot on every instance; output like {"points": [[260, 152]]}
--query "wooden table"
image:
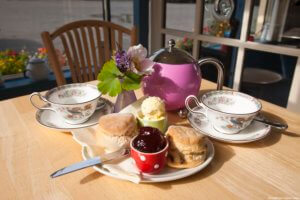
{"points": [[29, 153]]}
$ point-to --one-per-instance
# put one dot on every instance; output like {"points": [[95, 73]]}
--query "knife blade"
{"points": [[91, 162]]}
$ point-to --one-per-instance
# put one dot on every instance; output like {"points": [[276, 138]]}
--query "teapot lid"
{"points": [[172, 55]]}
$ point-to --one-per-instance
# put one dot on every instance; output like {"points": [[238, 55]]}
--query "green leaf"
{"points": [[111, 86], [109, 69], [109, 79], [131, 81]]}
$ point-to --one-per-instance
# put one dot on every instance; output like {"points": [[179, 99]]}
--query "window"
{"points": [[267, 26]]}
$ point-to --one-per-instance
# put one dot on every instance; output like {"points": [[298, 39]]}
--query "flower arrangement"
{"points": [[12, 62], [185, 44], [42, 54], [124, 71]]}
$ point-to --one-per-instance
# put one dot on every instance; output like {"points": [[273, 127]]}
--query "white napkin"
{"points": [[124, 169]]}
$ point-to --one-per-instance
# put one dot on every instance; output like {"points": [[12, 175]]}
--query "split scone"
{"points": [[187, 147]]}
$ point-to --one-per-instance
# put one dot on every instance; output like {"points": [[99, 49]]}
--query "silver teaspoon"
{"points": [[273, 124]]}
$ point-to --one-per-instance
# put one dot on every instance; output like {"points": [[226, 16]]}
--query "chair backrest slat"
{"points": [[99, 45], [87, 53], [106, 43], [120, 39], [133, 36], [81, 56], [112, 39], [69, 57], [75, 56], [87, 45], [93, 51]]}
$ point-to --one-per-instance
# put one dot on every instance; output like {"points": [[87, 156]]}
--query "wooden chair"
{"points": [[87, 44]]}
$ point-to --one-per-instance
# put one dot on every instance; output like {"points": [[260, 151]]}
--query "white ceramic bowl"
{"points": [[228, 111], [75, 103]]}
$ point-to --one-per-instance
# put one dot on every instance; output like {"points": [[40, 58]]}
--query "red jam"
{"points": [[149, 140]]}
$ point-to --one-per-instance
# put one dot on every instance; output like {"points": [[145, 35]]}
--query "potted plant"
{"points": [[123, 74], [12, 63]]}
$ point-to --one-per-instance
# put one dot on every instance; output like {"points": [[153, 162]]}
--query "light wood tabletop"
{"points": [[29, 153]]}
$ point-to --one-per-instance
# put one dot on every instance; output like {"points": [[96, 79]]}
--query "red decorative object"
{"points": [[149, 162]]}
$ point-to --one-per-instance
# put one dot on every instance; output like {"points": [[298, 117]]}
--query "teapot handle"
{"points": [[220, 67]]}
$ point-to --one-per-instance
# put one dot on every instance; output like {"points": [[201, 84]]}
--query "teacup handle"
{"points": [[41, 98], [199, 104]]}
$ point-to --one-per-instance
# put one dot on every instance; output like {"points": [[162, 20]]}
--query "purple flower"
{"points": [[122, 60]]}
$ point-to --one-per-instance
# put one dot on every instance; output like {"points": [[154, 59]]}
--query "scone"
{"points": [[187, 147], [116, 130]]}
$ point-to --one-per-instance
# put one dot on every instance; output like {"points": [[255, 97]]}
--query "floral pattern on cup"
{"points": [[72, 93], [76, 113], [234, 122], [221, 100]]}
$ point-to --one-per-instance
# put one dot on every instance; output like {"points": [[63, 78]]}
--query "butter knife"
{"points": [[91, 162]]}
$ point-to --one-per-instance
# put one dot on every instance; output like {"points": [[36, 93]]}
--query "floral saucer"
{"points": [[52, 120], [255, 131]]}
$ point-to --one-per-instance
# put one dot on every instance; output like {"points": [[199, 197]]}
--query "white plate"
{"points": [[50, 119], [167, 174], [88, 137], [255, 131]]}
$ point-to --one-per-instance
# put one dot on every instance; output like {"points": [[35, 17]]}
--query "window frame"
{"points": [[158, 30]]}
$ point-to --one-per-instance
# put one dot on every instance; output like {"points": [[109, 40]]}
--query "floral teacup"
{"points": [[75, 103], [229, 112]]}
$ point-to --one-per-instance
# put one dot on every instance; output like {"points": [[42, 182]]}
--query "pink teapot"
{"points": [[177, 75]]}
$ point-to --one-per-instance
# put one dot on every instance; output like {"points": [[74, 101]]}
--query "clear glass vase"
{"points": [[124, 99]]}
